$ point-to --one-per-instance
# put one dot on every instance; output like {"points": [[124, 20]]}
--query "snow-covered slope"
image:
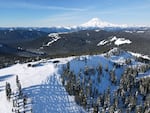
{"points": [[42, 80], [40, 83], [55, 37], [115, 40], [140, 55]]}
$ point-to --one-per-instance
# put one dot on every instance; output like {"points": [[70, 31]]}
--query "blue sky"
{"points": [[39, 13]]}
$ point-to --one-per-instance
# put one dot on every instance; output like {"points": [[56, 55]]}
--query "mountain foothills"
{"points": [[93, 37]]}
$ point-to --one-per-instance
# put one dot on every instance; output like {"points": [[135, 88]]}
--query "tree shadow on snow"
{"points": [[4, 77], [2, 88], [51, 97]]}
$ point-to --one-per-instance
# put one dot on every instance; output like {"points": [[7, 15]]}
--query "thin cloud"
{"points": [[44, 7], [66, 19]]}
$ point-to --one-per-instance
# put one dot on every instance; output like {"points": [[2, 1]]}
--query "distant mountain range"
{"points": [[94, 23], [91, 37]]}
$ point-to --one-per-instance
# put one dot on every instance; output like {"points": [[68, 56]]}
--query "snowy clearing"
{"points": [[55, 37], [121, 41], [115, 40]]}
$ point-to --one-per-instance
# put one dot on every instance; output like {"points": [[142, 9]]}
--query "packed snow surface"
{"points": [[42, 84]]}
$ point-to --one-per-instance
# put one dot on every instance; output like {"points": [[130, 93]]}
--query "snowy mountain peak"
{"points": [[96, 22]]}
